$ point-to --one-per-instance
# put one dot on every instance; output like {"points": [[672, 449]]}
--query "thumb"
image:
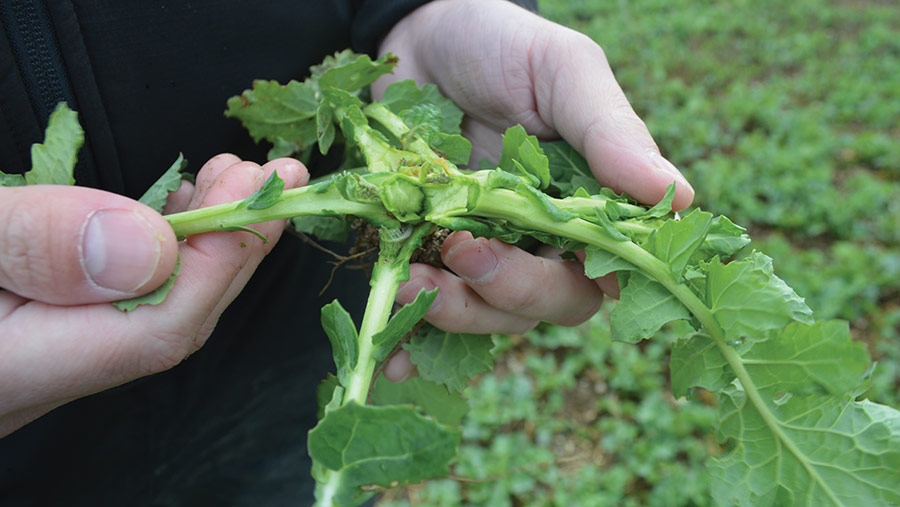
{"points": [[588, 108], [74, 245]]}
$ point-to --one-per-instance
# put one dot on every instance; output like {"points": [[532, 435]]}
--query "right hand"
{"points": [[67, 252]]}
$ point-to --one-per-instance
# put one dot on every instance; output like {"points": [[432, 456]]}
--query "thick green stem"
{"points": [[391, 268], [386, 279], [309, 200]]}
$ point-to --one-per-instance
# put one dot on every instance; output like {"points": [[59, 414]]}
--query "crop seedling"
{"points": [[786, 385]]}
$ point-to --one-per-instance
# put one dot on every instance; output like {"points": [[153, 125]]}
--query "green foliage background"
{"points": [[785, 116]]}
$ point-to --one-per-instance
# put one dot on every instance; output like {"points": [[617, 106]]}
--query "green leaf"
{"points": [[331, 61], [569, 171], [540, 199], [601, 218], [404, 95], [170, 181], [154, 298], [663, 207], [361, 72], [676, 240], [53, 162], [401, 323], [282, 148], [325, 127], [448, 358], [12, 180], [430, 398], [807, 359], [422, 119], [386, 446], [343, 337], [425, 120], [747, 299], [276, 113], [697, 361], [401, 95], [455, 148], [451, 115], [325, 393], [519, 147], [599, 262], [724, 239], [324, 228], [644, 306], [268, 195], [821, 450]]}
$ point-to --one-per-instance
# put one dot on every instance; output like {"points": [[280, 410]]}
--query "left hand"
{"points": [[504, 65]]}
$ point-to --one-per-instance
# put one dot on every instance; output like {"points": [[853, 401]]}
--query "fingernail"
{"points": [[119, 250], [409, 290], [472, 260], [667, 168]]}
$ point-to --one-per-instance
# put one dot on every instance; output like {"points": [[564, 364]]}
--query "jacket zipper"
{"points": [[36, 51]]}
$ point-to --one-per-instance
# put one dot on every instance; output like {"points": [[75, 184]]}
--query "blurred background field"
{"points": [[785, 116]]}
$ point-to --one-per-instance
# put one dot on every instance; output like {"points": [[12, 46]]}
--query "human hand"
{"points": [[67, 252], [505, 65]]}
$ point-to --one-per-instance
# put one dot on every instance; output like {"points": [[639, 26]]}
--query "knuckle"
{"points": [[214, 166], [246, 165], [24, 256], [582, 44], [525, 295], [519, 300]]}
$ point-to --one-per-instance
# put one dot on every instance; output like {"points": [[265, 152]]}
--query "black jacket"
{"points": [[150, 79]]}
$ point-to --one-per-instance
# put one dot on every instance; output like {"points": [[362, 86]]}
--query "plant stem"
{"points": [[386, 279], [396, 126], [528, 215], [391, 268], [310, 200]]}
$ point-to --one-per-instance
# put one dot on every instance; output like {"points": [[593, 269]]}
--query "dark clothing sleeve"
{"points": [[374, 18]]}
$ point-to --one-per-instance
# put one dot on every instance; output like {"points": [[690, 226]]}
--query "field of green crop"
{"points": [[785, 116]]}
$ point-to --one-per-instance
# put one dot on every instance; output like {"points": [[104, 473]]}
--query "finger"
{"points": [[458, 308], [294, 175], [208, 173], [486, 141], [180, 199], [75, 245], [553, 290], [399, 367], [578, 96], [609, 284], [62, 353]]}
